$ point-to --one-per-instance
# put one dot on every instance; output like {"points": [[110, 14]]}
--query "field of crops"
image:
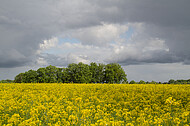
{"points": [[94, 104]]}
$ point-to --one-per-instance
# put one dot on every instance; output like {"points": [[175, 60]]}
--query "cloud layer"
{"points": [[129, 32]]}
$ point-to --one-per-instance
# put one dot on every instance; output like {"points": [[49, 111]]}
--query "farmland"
{"points": [[94, 104]]}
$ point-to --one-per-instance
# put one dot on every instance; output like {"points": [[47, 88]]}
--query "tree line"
{"points": [[7, 81], [75, 73], [82, 73], [171, 81]]}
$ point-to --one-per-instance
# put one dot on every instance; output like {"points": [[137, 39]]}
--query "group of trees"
{"points": [[143, 82], [172, 81], [75, 73], [82, 73], [6, 81]]}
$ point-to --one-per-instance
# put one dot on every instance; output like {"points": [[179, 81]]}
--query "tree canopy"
{"points": [[75, 73]]}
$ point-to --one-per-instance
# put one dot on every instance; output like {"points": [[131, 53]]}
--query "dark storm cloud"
{"points": [[25, 24], [155, 57], [163, 12], [164, 19], [22, 28]]}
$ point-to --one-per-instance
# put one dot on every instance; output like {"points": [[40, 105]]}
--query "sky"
{"points": [[149, 39]]}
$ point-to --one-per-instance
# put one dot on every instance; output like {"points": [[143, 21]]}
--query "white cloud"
{"points": [[138, 47], [72, 58], [23, 26], [100, 35], [50, 43], [41, 61], [155, 44]]}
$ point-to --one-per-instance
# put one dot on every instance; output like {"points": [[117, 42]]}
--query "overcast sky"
{"points": [[150, 39]]}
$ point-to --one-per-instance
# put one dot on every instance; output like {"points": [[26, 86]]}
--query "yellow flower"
{"points": [[73, 119]]}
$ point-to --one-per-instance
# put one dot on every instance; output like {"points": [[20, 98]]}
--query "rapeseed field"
{"points": [[94, 105]]}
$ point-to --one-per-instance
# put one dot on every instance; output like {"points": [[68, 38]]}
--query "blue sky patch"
{"points": [[128, 34], [70, 40]]}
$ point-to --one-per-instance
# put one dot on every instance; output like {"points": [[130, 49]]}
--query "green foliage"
{"points": [[172, 81], [142, 82], [42, 77], [114, 73], [60, 75], [95, 72], [132, 82], [78, 73], [20, 78], [75, 73], [6, 81], [51, 72], [30, 76]]}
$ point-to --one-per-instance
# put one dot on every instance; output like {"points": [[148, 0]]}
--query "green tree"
{"points": [[100, 73], [188, 81], [94, 71], [30, 76], [51, 72], [42, 77], [75, 73], [60, 75], [6, 81], [171, 81], [79, 73], [142, 82], [109, 74], [132, 82], [19, 78], [114, 73], [153, 82], [97, 72], [71, 70], [84, 73]]}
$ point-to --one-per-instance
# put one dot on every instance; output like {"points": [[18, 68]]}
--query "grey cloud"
{"points": [[176, 39], [61, 61], [126, 58], [162, 12], [22, 28], [25, 24], [168, 20], [52, 59]]}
